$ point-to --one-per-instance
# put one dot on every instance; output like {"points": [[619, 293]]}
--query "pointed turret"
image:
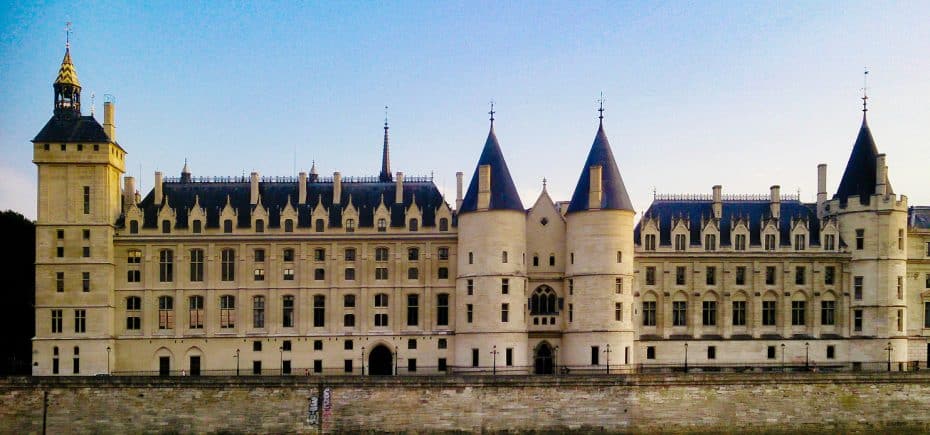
{"points": [[67, 89], [491, 187], [611, 193], [185, 173], [861, 174], [385, 175]]}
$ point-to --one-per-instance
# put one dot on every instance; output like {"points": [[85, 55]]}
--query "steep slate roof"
{"points": [[919, 217], [503, 192], [80, 129], [860, 175], [754, 210], [366, 196], [614, 195]]}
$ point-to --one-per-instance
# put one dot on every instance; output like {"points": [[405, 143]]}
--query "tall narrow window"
{"points": [[166, 265], [618, 286], [857, 320], [504, 257], [827, 313], [740, 275], [166, 226], [739, 313], [195, 312], [443, 224], [228, 270], [770, 242], [679, 313], [228, 226], [649, 313], [768, 313], [197, 226], [57, 320], [650, 242], [860, 239], [414, 225], [76, 360], [711, 275], [800, 275], [505, 313], [505, 286], [680, 242], [469, 313], [85, 281], [798, 313], [319, 225], [382, 225], [442, 309], [165, 312], [258, 311], [709, 313], [80, 321], [710, 242], [857, 288], [680, 275], [413, 310], [900, 240], [227, 312], [650, 275], [769, 275], [319, 311], [618, 311], [740, 244], [287, 311], [288, 225], [829, 275], [829, 242], [133, 313], [800, 242], [86, 199], [196, 265], [900, 287]]}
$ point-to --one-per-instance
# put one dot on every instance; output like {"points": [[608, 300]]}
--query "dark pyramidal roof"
{"points": [[614, 195], [503, 192], [78, 129], [860, 175]]}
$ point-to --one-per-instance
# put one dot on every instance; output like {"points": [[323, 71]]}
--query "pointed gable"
{"points": [[860, 175], [614, 195], [503, 192]]}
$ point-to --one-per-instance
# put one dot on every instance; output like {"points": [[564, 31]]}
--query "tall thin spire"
{"points": [[385, 175], [865, 91], [67, 35]]}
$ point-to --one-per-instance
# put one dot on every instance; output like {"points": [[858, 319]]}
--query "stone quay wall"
{"points": [[768, 402]]}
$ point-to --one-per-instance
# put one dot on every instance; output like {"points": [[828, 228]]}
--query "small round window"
{"points": [[544, 221]]}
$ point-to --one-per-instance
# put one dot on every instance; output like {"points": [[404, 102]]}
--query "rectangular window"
{"points": [[831, 351], [709, 313], [571, 286], [711, 352], [860, 239], [317, 344], [381, 273], [442, 343], [770, 352], [857, 320], [350, 274], [442, 309], [679, 313], [85, 251], [86, 199], [80, 321], [768, 313], [649, 313], [259, 255], [319, 254], [195, 307], [798, 313], [287, 311], [618, 311], [800, 242], [258, 274], [770, 242], [196, 274], [857, 288], [227, 312], [319, 274], [57, 321], [799, 275], [470, 287], [166, 265], [711, 276], [900, 320], [85, 281], [413, 310], [680, 275], [650, 352], [256, 367], [829, 242], [770, 275], [650, 275], [319, 311], [348, 320], [228, 270], [288, 255], [347, 366], [927, 314], [900, 287], [474, 357], [442, 366], [827, 312], [829, 275], [740, 275], [740, 244], [411, 364], [900, 240], [618, 286], [288, 274], [595, 355], [349, 254], [469, 313], [505, 286], [739, 313], [443, 253], [412, 343], [505, 313], [650, 242], [442, 272], [680, 242], [619, 256], [60, 251], [133, 313], [59, 282], [571, 313], [508, 357], [710, 242], [165, 312]]}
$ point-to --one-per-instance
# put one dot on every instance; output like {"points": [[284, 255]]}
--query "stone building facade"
{"points": [[382, 275]]}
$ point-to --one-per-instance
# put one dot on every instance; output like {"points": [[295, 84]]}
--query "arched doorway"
{"points": [[381, 361], [543, 362]]}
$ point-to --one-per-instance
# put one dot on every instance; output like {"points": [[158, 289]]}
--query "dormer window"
{"points": [[259, 226], [165, 226], [800, 242], [289, 226], [769, 242], [227, 226], [829, 242], [319, 225], [133, 227], [739, 243], [443, 224], [414, 225], [382, 225], [680, 242], [710, 242], [650, 244], [350, 225], [197, 226]]}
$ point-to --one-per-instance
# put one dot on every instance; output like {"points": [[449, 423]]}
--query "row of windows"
{"points": [[709, 313], [710, 275], [319, 225], [739, 242], [505, 258], [75, 360], [227, 318], [60, 282], [830, 352]]}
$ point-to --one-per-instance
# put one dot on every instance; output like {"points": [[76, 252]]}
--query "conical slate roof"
{"points": [[861, 172], [67, 74], [503, 192], [613, 191]]}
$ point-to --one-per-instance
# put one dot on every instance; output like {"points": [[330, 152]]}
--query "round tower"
{"points": [[599, 330], [490, 324], [873, 224]]}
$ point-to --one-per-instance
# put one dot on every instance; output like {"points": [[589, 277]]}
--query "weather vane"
{"points": [[600, 109], [385, 116], [865, 90], [492, 112], [68, 34]]}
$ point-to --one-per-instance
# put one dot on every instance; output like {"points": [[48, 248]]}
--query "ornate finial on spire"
{"points": [[544, 183], [385, 117], [68, 35], [492, 112], [385, 176], [865, 90], [600, 109]]}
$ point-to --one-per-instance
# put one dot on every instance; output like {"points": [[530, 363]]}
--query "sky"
{"points": [[742, 94]]}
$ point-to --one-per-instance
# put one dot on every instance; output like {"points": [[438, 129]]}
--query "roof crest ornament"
{"points": [[865, 90], [67, 35], [600, 108], [492, 112]]}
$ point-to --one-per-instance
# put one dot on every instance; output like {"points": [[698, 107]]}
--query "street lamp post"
{"points": [[494, 360], [889, 348], [237, 362], [783, 357], [363, 360], [607, 351], [807, 355], [108, 360], [686, 357]]}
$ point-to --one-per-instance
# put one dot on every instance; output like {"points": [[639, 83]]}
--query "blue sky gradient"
{"points": [[743, 94]]}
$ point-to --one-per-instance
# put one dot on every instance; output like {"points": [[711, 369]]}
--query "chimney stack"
{"points": [[718, 201], [253, 191], [302, 188], [821, 189], [881, 175], [337, 188], [484, 187], [458, 190], [158, 188], [109, 117], [775, 201], [594, 187], [399, 190], [129, 192]]}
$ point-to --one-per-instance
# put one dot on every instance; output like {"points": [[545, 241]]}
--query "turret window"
{"points": [[551, 260], [535, 261], [857, 288], [619, 256], [471, 258], [86, 199], [504, 257], [860, 239], [900, 240]]}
